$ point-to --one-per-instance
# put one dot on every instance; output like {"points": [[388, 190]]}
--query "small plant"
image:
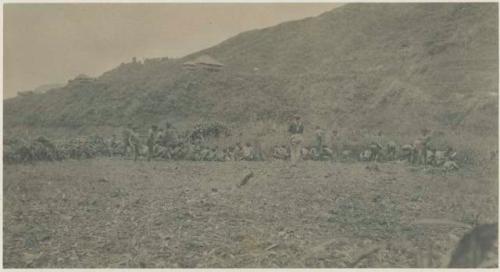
{"points": [[380, 220]]}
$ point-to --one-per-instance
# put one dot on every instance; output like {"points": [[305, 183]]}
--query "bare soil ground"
{"points": [[117, 213]]}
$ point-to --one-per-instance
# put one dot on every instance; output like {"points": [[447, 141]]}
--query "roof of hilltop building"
{"points": [[204, 60], [82, 76]]}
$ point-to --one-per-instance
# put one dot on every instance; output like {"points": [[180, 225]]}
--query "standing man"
{"points": [[296, 128], [135, 141], [238, 152], [376, 146], [248, 152], [319, 135], [126, 135], [115, 145], [408, 152], [131, 141], [258, 151], [170, 135], [334, 142], [391, 150], [421, 146], [151, 142]]}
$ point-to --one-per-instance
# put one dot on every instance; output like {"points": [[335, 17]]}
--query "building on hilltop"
{"points": [[189, 65], [81, 79], [203, 62], [25, 93]]}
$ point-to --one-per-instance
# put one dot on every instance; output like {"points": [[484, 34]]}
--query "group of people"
{"points": [[419, 152], [165, 143], [156, 137], [296, 151], [168, 144]]}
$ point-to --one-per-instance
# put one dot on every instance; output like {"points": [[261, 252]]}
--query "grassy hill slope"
{"points": [[395, 67]]}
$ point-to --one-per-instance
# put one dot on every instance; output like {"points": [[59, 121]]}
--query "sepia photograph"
{"points": [[250, 135]]}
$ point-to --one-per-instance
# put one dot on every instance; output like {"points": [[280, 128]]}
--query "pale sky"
{"points": [[51, 43]]}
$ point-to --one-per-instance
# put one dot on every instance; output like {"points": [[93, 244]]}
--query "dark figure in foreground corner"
{"points": [[477, 249]]}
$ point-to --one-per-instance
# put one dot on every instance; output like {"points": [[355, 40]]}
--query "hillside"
{"points": [[395, 67]]}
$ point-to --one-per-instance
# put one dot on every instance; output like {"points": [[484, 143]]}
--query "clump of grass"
{"points": [[379, 219]]}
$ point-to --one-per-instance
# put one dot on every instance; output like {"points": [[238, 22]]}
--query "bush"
{"points": [[207, 130]]}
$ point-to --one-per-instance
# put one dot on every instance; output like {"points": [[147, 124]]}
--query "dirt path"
{"points": [[116, 213]]}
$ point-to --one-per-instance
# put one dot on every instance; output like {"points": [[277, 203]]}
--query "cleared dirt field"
{"points": [[117, 213]]}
